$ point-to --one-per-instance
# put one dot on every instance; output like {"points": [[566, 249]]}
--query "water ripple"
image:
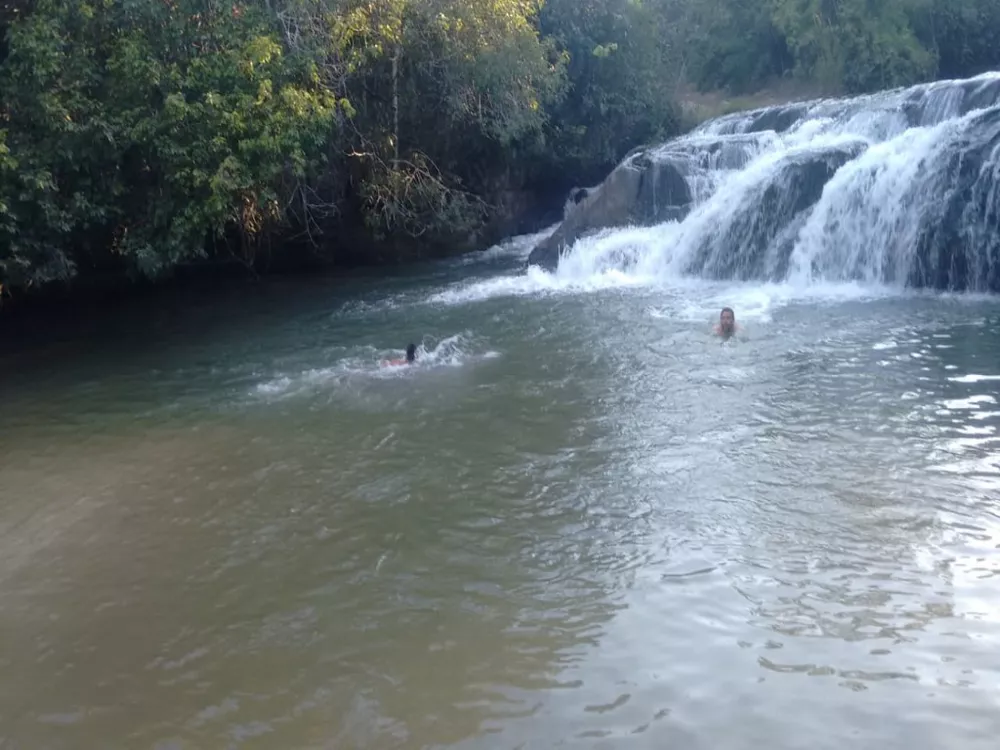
{"points": [[615, 531]]}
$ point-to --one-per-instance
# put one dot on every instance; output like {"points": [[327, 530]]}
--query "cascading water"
{"points": [[898, 188]]}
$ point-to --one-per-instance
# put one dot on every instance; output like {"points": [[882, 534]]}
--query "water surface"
{"points": [[579, 521]]}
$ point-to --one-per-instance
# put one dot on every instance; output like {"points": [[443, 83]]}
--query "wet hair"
{"points": [[411, 352], [727, 310]]}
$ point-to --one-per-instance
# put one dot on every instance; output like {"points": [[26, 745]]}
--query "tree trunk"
{"points": [[395, 106]]}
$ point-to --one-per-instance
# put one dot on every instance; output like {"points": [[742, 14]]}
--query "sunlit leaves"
{"points": [[189, 128], [149, 131]]}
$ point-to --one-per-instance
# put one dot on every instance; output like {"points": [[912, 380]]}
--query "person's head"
{"points": [[411, 352], [727, 320]]}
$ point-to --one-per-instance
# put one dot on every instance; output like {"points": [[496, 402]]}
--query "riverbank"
{"points": [[354, 256], [356, 253], [353, 252]]}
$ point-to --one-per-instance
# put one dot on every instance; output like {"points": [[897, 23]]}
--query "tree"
{"points": [[854, 45], [140, 131], [444, 90], [621, 91], [734, 45], [137, 134], [961, 33]]}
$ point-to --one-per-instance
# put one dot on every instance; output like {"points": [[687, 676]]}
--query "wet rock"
{"points": [[949, 202], [756, 243], [980, 95], [959, 248], [642, 191], [778, 119]]}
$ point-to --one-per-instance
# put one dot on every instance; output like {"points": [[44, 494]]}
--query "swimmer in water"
{"points": [[411, 356], [727, 324]]}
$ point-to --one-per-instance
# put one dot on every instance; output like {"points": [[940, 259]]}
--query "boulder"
{"points": [[640, 191]]}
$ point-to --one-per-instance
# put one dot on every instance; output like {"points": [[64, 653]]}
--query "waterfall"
{"points": [[896, 188]]}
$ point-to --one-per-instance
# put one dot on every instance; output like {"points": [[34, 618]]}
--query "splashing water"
{"points": [[867, 223], [517, 247], [370, 362]]}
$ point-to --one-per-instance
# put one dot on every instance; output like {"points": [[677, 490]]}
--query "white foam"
{"points": [[696, 300], [857, 242], [369, 363], [866, 222], [534, 281], [685, 298], [974, 378], [278, 385], [884, 345], [518, 247]]}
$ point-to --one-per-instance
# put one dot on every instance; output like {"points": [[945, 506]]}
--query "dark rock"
{"points": [[912, 111], [641, 190], [675, 213], [959, 247], [778, 119], [731, 151], [662, 188], [980, 95], [636, 150], [954, 201]]}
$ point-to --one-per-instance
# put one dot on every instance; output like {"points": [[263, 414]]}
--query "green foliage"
{"points": [[837, 45], [729, 44], [141, 130], [962, 34], [619, 65], [214, 140], [138, 134], [856, 45], [445, 90]]}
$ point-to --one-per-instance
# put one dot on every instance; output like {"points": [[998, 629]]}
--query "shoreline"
{"points": [[97, 290]]}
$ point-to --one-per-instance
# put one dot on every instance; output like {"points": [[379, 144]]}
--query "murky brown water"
{"points": [[581, 522]]}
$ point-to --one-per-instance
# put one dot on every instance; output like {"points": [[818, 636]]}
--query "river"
{"points": [[578, 521]]}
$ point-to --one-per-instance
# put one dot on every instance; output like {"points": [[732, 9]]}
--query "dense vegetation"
{"points": [[849, 46], [139, 134]]}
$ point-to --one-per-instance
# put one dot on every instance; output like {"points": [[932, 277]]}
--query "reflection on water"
{"points": [[582, 523]]}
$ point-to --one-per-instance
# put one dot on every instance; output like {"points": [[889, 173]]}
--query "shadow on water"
{"points": [[361, 563]]}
